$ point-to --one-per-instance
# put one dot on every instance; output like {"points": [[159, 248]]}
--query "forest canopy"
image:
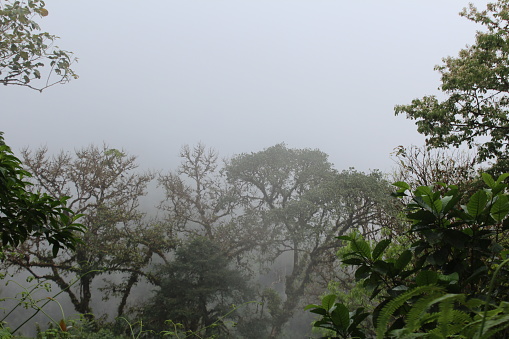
{"points": [[237, 247]]}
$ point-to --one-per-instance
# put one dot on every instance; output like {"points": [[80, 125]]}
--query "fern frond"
{"points": [[493, 326], [418, 314], [388, 311], [447, 314], [400, 335]]}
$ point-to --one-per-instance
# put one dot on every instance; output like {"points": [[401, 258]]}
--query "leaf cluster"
{"points": [[436, 286], [25, 50], [24, 214], [337, 318]]}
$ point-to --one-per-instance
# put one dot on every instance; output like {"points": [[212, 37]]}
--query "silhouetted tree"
{"points": [[303, 205], [105, 188], [197, 290]]}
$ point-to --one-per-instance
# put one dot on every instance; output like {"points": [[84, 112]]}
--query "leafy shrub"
{"points": [[443, 284]]}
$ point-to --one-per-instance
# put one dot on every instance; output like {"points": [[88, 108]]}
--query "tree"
{"points": [[105, 188], [197, 290], [421, 166], [25, 214], [303, 204], [200, 201], [25, 51], [476, 87]]}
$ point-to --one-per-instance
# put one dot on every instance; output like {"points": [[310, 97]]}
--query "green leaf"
{"points": [[380, 248], [402, 184], [55, 249], [423, 191], [502, 177], [403, 260], [362, 272], [362, 247], [353, 261], [437, 206], [488, 179], [448, 202], [328, 301], [383, 267], [500, 208], [345, 237], [424, 202], [319, 311], [310, 306], [450, 278], [477, 203], [341, 317], [426, 278]]}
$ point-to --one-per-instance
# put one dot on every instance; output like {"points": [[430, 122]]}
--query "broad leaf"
{"points": [[362, 272], [352, 261], [380, 248], [502, 177], [403, 260], [500, 208], [328, 301], [341, 317], [477, 203], [426, 278], [401, 184], [362, 247], [488, 179]]}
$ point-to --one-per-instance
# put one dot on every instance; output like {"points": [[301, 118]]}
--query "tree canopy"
{"points": [[476, 88], [103, 184], [303, 204], [197, 289]]}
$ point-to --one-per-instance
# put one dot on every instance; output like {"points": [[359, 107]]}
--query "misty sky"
{"points": [[239, 76]]}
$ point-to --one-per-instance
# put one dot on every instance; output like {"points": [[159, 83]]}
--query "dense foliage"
{"points": [[197, 290], [447, 276], [442, 283], [266, 226], [25, 214]]}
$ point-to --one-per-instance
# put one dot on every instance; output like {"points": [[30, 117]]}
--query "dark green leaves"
{"points": [[477, 203], [380, 248], [328, 301], [24, 214], [456, 249], [426, 278], [403, 260], [500, 208], [337, 318], [341, 317]]}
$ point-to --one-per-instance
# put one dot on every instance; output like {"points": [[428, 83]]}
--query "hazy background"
{"points": [[239, 76]]}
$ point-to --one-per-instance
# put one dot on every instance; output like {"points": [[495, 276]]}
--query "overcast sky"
{"points": [[239, 76]]}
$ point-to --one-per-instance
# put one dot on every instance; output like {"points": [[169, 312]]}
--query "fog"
{"points": [[239, 76]]}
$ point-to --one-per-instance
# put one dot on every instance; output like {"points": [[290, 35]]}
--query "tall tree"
{"points": [[200, 201], [104, 186], [421, 166], [304, 204], [28, 54], [197, 290], [476, 88]]}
